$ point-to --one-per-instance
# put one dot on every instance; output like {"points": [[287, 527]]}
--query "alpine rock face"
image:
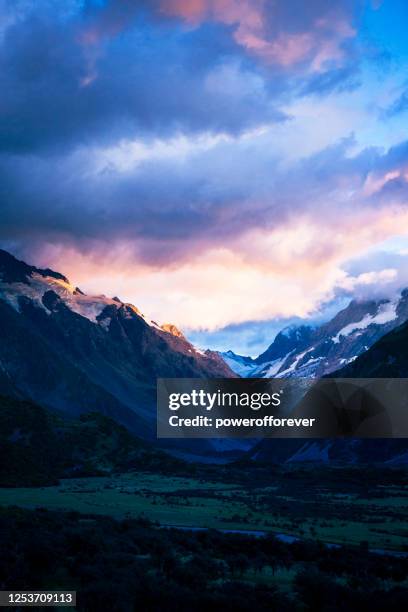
{"points": [[366, 339], [386, 358], [243, 366], [305, 351], [77, 353]]}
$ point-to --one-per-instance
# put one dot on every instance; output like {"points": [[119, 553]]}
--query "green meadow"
{"points": [[374, 515]]}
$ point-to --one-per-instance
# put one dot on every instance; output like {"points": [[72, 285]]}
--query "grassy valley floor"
{"points": [[346, 506]]}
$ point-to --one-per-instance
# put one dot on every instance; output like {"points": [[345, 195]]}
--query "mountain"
{"points": [[387, 358], [306, 351], [38, 447], [285, 353], [366, 339], [243, 366], [77, 353], [291, 338]]}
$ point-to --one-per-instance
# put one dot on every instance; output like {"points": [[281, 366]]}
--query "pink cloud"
{"points": [[262, 274], [257, 26], [286, 50], [193, 11], [375, 181], [258, 30]]}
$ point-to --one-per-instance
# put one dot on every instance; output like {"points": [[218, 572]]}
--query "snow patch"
{"points": [[293, 365], [86, 306], [385, 314], [275, 366], [311, 361], [237, 365], [269, 368], [349, 360]]}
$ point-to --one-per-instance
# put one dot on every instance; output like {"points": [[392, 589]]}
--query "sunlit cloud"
{"points": [[215, 162], [264, 275], [260, 29]]}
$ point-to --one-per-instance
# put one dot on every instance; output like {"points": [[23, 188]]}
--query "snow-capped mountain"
{"points": [[18, 280], [306, 351], [243, 366], [290, 339], [77, 353], [367, 339], [387, 358]]}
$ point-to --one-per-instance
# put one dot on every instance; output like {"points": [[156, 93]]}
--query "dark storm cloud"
{"points": [[61, 88], [74, 73], [171, 209], [77, 77]]}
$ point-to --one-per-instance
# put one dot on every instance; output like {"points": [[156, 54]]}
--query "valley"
{"points": [[344, 506]]}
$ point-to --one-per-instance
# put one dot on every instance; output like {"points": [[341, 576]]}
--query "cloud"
{"points": [[59, 92], [80, 73], [172, 207], [175, 200], [399, 106], [382, 277], [380, 273], [283, 33], [195, 157], [213, 239], [224, 285]]}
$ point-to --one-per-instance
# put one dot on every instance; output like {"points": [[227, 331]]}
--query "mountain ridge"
{"points": [[386, 358], [76, 353], [315, 351]]}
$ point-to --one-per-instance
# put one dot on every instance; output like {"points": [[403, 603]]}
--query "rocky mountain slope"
{"points": [[77, 353], [243, 366], [387, 358], [307, 351]]}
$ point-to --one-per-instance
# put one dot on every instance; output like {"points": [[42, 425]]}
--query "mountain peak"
{"points": [[21, 280], [77, 352], [13, 270], [306, 351], [173, 330], [291, 338]]}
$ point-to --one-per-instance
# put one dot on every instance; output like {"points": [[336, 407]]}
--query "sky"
{"points": [[230, 166]]}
